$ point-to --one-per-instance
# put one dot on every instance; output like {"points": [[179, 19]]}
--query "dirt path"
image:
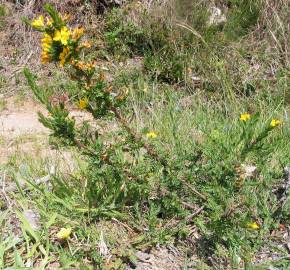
{"points": [[20, 130], [24, 139], [20, 119]]}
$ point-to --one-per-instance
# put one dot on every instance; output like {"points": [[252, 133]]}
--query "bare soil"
{"points": [[22, 135]]}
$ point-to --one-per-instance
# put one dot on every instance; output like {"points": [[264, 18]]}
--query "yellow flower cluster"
{"points": [[151, 135], [38, 23], [253, 225], [77, 33], [64, 233], [59, 42], [245, 117], [86, 44], [83, 103], [275, 123], [62, 35], [46, 43], [83, 66], [64, 55]]}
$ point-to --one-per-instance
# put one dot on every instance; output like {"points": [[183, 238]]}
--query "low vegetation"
{"points": [[187, 149]]}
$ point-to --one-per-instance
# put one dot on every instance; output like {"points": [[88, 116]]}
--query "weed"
{"points": [[2, 81], [242, 16], [3, 104], [123, 37], [169, 67], [3, 13]]}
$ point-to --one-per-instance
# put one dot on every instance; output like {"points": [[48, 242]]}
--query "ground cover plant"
{"points": [[189, 150]]}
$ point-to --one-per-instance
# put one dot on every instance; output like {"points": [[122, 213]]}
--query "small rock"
{"points": [[216, 17], [142, 256], [249, 171], [33, 218], [104, 251]]}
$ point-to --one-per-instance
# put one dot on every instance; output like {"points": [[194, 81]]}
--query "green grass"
{"points": [[3, 13], [193, 138], [242, 18], [3, 104], [120, 192]]}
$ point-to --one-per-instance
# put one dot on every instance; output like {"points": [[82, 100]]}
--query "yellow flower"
{"points": [[45, 58], [253, 225], [90, 66], [63, 56], [77, 33], [64, 233], [38, 23], [46, 42], [47, 39], [101, 76], [275, 123], [79, 65], [63, 35], [46, 47], [86, 44], [245, 117], [151, 135], [83, 103]]}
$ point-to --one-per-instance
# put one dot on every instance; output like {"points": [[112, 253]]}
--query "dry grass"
{"points": [[272, 31]]}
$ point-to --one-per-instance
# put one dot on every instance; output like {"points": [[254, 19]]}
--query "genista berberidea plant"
{"points": [[204, 187], [62, 46]]}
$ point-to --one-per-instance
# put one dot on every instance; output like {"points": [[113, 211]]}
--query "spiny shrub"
{"points": [[131, 172], [122, 36], [109, 186]]}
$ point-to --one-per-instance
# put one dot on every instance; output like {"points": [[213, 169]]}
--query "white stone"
{"points": [[216, 16]]}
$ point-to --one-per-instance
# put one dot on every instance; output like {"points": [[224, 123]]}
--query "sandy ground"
{"points": [[22, 136], [20, 130]]}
